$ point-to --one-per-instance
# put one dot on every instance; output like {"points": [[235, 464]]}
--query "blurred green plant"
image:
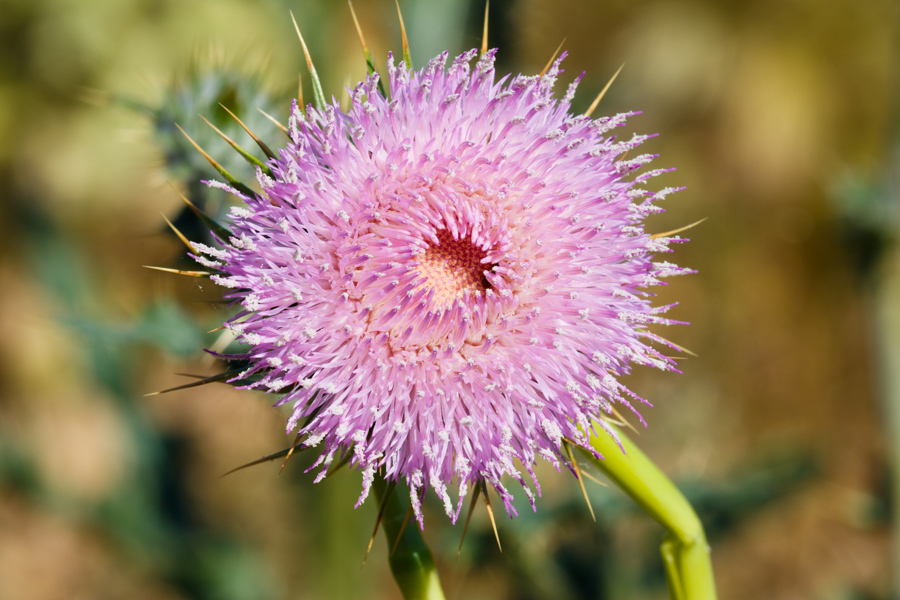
{"points": [[147, 517], [209, 102], [868, 211]]}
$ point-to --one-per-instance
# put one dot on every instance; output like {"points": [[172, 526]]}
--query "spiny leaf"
{"points": [[219, 230], [318, 96], [262, 145], [244, 154], [228, 176], [602, 93]]}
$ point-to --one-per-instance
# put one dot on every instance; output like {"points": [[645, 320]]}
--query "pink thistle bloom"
{"points": [[447, 282]]}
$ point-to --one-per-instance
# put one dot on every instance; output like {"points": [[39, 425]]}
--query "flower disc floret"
{"points": [[447, 282]]}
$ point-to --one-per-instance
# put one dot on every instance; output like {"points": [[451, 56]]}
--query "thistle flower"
{"points": [[446, 282]]}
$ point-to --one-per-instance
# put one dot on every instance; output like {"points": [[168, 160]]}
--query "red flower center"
{"points": [[452, 267]]}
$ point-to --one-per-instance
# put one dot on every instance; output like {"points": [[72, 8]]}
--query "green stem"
{"points": [[886, 329], [685, 551], [411, 562]]}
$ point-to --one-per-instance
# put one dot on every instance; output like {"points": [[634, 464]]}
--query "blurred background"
{"points": [[781, 118]]}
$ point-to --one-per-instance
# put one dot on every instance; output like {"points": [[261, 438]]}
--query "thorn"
{"points": [[262, 145], [406, 56], [244, 154], [594, 479], [370, 63], [406, 519], [178, 233], [340, 464], [580, 480], [219, 328], [381, 508], [487, 503], [204, 381], [624, 154], [289, 454], [623, 420], [585, 473], [228, 176], [616, 422], [259, 461], [318, 96], [552, 58], [300, 103], [679, 230], [345, 95], [472, 504], [215, 227], [484, 48], [309, 63], [362, 39], [179, 272], [602, 92], [677, 347], [274, 120]]}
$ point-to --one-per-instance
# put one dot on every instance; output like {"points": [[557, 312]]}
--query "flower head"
{"points": [[447, 281]]}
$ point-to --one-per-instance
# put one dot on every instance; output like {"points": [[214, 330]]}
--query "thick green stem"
{"points": [[411, 562], [887, 334], [685, 551]]}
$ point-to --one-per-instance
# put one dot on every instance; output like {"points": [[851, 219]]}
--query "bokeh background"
{"points": [[781, 117]]}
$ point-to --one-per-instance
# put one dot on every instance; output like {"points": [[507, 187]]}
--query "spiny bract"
{"points": [[447, 281]]}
